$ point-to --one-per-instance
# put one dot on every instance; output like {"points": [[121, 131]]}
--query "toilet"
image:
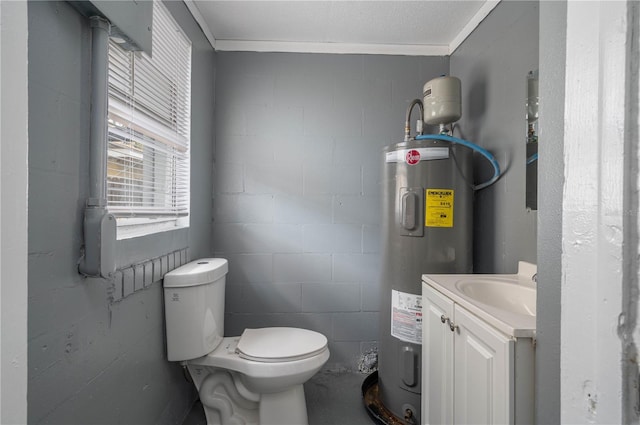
{"points": [[255, 378]]}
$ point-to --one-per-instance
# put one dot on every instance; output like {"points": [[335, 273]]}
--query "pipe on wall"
{"points": [[100, 30], [98, 259]]}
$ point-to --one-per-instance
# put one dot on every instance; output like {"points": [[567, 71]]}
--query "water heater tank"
{"points": [[427, 227], [442, 100]]}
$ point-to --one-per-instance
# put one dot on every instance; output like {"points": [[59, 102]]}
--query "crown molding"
{"points": [[195, 12], [472, 24], [339, 48]]}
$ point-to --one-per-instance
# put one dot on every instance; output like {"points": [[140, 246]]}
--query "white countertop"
{"points": [[510, 323]]}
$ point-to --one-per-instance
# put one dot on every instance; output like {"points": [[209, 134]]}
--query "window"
{"points": [[149, 131]]}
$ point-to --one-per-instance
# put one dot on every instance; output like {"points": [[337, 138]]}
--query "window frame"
{"points": [[156, 179]]}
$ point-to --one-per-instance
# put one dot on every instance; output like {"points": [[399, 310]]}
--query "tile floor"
{"points": [[333, 398]]}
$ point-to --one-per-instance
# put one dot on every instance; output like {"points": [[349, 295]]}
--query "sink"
{"points": [[505, 294], [505, 301]]}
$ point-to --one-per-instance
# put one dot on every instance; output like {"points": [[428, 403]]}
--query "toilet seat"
{"points": [[280, 344], [225, 356]]}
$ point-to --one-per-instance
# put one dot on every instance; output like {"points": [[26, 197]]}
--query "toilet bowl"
{"points": [[275, 387], [256, 378]]}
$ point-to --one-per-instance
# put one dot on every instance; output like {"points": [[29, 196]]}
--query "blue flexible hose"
{"points": [[472, 146]]}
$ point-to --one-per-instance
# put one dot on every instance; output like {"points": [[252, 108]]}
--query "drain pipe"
{"points": [[98, 258]]}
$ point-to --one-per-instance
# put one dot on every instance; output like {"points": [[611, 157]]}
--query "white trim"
{"points": [[472, 24], [593, 214], [195, 12], [339, 48], [129, 228]]}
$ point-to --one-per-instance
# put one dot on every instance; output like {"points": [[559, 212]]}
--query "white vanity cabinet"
{"points": [[472, 372]]}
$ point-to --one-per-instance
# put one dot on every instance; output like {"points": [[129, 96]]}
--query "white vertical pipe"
{"points": [[100, 29]]}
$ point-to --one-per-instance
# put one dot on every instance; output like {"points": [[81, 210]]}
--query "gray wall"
{"points": [[13, 211], [297, 195], [553, 35], [97, 355], [493, 63]]}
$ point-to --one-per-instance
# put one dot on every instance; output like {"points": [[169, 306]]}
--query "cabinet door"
{"points": [[483, 389], [437, 358]]}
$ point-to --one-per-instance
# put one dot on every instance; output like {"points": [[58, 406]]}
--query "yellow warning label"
{"points": [[438, 210]]}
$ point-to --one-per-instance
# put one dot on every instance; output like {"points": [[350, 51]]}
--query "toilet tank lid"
{"points": [[198, 272]]}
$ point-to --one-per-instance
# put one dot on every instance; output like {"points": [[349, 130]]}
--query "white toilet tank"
{"points": [[194, 308]]}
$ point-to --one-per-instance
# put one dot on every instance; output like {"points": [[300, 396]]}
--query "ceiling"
{"points": [[417, 27]]}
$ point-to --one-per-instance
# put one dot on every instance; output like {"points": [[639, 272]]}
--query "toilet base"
{"points": [[284, 408], [222, 402], [226, 401]]}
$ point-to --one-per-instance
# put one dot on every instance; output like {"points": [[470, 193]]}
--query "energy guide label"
{"points": [[438, 208], [406, 317]]}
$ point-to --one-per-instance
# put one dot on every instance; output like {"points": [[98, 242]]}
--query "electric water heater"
{"points": [[427, 221]]}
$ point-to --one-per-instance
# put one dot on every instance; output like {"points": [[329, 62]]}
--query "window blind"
{"points": [[149, 124]]}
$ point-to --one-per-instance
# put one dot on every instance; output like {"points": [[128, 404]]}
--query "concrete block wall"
{"points": [[298, 161], [96, 349]]}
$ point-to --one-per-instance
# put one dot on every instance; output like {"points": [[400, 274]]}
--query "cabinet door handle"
{"points": [[452, 326]]}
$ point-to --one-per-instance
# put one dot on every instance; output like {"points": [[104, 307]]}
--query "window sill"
{"points": [[129, 228]]}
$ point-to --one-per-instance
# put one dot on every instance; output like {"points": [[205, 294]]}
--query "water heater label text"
{"points": [[438, 210]]}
